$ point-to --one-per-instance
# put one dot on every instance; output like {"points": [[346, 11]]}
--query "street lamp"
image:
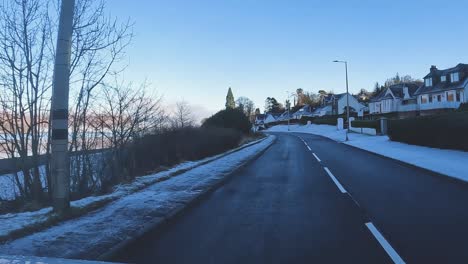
{"points": [[288, 106], [347, 95]]}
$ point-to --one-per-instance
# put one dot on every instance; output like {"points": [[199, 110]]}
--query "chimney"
{"points": [[406, 93], [433, 68]]}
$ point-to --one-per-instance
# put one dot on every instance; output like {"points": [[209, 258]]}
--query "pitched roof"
{"points": [[461, 67], [397, 91], [438, 86]]}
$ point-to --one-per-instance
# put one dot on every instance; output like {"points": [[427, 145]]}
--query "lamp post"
{"points": [[288, 105], [347, 96]]}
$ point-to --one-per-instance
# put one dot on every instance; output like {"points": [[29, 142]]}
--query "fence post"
{"points": [[339, 124]]}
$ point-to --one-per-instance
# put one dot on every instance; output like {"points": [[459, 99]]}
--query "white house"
{"points": [[338, 103], [396, 98], [443, 89], [324, 110], [270, 118], [306, 110]]}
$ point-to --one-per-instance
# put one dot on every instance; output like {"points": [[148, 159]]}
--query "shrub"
{"points": [[375, 124], [441, 131], [173, 146], [325, 121], [305, 119], [229, 118]]}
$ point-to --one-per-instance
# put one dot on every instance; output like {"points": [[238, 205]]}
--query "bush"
{"points": [[325, 121], [174, 146], [375, 124], [442, 131], [229, 118]]}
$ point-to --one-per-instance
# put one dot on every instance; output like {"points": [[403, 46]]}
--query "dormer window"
{"points": [[455, 77], [428, 82], [443, 78]]}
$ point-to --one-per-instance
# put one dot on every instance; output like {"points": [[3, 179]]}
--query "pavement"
{"points": [[309, 199]]}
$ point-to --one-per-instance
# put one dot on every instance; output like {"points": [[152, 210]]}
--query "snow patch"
{"points": [[95, 233], [452, 163]]}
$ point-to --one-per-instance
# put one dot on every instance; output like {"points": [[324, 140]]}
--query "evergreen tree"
{"points": [[230, 103]]}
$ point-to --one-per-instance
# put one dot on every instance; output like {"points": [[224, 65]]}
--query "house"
{"points": [[338, 103], [284, 116], [306, 110], [260, 119], [396, 98], [321, 111], [443, 89], [271, 117]]}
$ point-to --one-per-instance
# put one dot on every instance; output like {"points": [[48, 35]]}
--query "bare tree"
{"points": [[246, 105], [27, 49], [182, 116], [25, 73], [125, 113]]}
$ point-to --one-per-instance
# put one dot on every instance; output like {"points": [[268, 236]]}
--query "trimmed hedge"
{"points": [[326, 121], [448, 131], [176, 145], [375, 124]]}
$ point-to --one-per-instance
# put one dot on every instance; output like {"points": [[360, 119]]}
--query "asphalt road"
{"points": [[308, 199]]}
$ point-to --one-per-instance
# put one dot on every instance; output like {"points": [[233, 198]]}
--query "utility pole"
{"points": [[347, 97], [59, 162]]}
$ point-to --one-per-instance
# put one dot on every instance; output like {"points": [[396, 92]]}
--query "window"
{"points": [[428, 82], [439, 98], [443, 78], [458, 96], [455, 77], [430, 98], [423, 99], [450, 97]]}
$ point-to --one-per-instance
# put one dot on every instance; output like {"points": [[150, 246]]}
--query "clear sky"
{"points": [[195, 50]]}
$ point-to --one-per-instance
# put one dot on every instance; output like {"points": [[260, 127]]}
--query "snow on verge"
{"points": [[14, 222], [93, 234], [452, 163]]}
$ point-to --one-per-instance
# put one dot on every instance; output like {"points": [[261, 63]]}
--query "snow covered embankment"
{"points": [[452, 163], [95, 233]]}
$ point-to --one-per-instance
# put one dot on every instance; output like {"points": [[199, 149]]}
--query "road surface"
{"points": [[308, 199]]}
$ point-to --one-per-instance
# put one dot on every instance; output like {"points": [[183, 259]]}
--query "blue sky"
{"points": [[195, 50]]}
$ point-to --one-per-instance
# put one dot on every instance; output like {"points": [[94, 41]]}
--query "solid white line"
{"points": [[316, 157], [338, 184], [384, 243]]}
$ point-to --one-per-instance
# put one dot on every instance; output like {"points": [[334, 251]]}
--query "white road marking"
{"points": [[309, 147], [316, 157], [384, 243], [338, 184]]}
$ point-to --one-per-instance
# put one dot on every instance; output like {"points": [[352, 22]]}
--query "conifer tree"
{"points": [[230, 103]]}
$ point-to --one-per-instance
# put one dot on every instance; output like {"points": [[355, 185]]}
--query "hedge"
{"points": [[325, 121], [375, 124], [448, 131], [176, 145], [229, 118]]}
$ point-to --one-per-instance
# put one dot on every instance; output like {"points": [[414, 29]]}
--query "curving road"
{"points": [[308, 199]]}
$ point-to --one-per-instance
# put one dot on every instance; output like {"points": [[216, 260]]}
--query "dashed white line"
{"points": [[338, 184], [384, 243], [308, 148], [316, 157]]}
